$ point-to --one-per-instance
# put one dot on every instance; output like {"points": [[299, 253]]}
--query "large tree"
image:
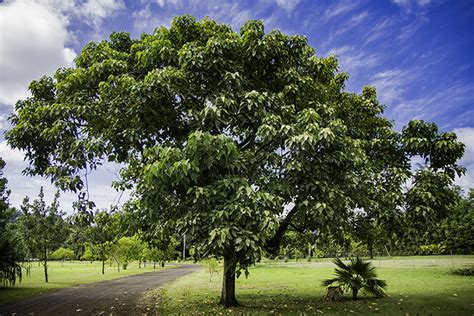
{"points": [[227, 137]]}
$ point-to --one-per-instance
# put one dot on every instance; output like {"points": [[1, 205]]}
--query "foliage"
{"points": [[229, 138], [464, 271], [127, 249], [10, 252], [456, 228], [433, 249], [355, 276], [43, 227], [211, 265], [103, 234], [162, 251], [89, 254], [62, 254]]}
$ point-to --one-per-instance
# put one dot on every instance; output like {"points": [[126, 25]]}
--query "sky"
{"points": [[417, 53]]}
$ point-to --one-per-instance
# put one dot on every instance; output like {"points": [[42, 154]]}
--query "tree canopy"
{"points": [[230, 138]]}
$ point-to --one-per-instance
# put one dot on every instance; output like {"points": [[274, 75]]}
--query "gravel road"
{"points": [[115, 297]]}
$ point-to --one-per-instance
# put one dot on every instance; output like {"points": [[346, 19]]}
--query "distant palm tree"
{"points": [[355, 276]]}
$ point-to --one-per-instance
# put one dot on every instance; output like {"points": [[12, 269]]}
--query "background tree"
{"points": [[457, 227], [62, 254], [103, 234], [12, 251], [43, 227], [227, 137], [127, 249]]}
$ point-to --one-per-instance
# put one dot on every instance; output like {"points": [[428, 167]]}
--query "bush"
{"points": [[62, 254], [433, 249], [464, 271]]}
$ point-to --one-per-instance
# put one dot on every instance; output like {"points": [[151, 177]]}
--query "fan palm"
{"points": [[355, 276]]}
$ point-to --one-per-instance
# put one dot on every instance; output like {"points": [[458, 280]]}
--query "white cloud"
{"points": [[432, 107], [12, 156], [288, 5], [339, 51], [37, 39], [409, 30], [352, 60], [391, 84], [414, 6], [342, 7], [466, 136], [30, 49], [98, 10]]}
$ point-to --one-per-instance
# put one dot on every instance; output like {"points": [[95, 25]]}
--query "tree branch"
{"points": [[273, 244]]}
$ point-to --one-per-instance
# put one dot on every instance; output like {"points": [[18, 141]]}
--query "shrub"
{"points": [[355, 276], [464, 271]]}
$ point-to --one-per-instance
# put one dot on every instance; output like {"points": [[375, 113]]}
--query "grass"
{"points": [[294, 288], [63, 275]]}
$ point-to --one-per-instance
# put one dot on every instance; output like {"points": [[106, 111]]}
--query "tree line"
{"points": [[38, 232]]}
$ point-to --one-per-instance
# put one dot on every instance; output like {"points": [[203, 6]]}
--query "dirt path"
{"points": [[114, 297]]}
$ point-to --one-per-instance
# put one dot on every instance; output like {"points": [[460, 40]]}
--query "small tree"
{"points": [[43, 227], [162, 251], [103, 234], [125, 250], [355, 276]]}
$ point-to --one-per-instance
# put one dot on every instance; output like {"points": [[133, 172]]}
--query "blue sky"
{"points": [[418, 53]]}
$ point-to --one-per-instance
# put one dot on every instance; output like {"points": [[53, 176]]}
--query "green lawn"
{"points": [[294, 288], [67, 274]]}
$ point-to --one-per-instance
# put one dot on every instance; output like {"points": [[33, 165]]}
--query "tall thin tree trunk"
{"points": [[46, 266], [103, 264], [228, 281], [117, 262]]}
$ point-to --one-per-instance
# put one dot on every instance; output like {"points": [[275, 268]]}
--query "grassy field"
{"points": [[67, 274], [417, 285]]}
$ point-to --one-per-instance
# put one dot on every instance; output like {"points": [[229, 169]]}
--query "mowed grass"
{"points": [[67, 274], [294, 289]]}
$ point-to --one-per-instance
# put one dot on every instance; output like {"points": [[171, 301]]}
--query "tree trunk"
{"points": [[154, 265], [162, 264], [354, 293], [371, 251], [118, 263], [103, 264], [228, 281], [46, 266]]}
